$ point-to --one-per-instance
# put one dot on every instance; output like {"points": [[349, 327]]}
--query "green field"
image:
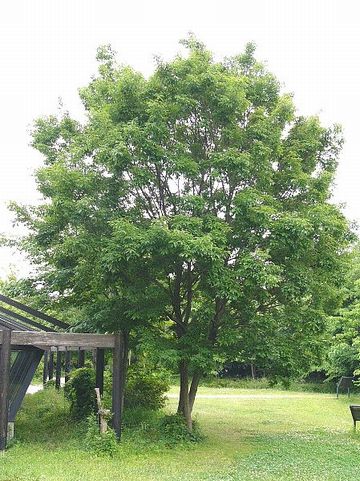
{"points": [[250, 435]]}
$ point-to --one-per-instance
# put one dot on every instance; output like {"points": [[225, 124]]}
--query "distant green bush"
{"points": [[342, 360], [239, 383], [264, 383]]}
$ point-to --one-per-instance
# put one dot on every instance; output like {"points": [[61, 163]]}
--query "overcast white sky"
{"points": [[48, 48]]}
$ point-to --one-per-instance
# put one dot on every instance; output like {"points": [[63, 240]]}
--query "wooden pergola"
{"points": [[25, 341]]}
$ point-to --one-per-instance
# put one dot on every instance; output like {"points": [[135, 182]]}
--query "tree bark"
{"points": [[182, 394], [184, 405], [193, 389]]}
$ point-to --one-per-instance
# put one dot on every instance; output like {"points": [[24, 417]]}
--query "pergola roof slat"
{"points": [[24, 320], [34, 312], [9, 323]]}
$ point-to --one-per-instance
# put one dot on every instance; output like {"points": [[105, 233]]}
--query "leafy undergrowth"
{"points": [[268, 435], [45, 419]]}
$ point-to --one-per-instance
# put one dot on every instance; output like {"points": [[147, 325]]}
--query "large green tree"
{"points": [[194, 206]]}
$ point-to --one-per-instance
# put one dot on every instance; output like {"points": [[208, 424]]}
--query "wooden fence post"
{"points": [[5, 357]]}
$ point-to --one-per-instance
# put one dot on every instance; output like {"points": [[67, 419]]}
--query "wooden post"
{"points": [[51, 366], [5, 355], [100, 358], [46, 367], [93, 353], [81, 360], [118, 383], [103, 413], [58, 369], [67, 365]]}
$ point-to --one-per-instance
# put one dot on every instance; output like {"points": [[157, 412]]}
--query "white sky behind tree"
{"points": [[48, 47]]}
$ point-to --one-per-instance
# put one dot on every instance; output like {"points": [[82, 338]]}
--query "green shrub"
{"points": [[145, 390], [104, 444], [173, 430], [80, 391]]}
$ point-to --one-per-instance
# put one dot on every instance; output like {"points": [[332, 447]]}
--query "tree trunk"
{"points": [[253, 371], [182, 394], [193, 389], [184, 405]]}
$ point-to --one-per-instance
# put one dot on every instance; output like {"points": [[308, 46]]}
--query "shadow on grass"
{"points": [[323, 455]]}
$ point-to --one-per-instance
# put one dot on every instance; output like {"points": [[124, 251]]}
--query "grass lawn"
{"points": [[262, 435]]}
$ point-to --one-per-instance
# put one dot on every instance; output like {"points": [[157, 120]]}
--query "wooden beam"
{"points": [[61, 339], [45, 347], [67, 348], [5, 355], [33, 312]]}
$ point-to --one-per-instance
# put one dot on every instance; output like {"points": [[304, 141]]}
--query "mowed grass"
{"points": [[262, 435]]}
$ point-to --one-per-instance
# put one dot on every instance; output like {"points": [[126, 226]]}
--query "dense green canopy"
{"points": [[194, 207]]}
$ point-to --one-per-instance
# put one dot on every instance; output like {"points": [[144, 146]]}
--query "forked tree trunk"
{"points": [[187, 396]]}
